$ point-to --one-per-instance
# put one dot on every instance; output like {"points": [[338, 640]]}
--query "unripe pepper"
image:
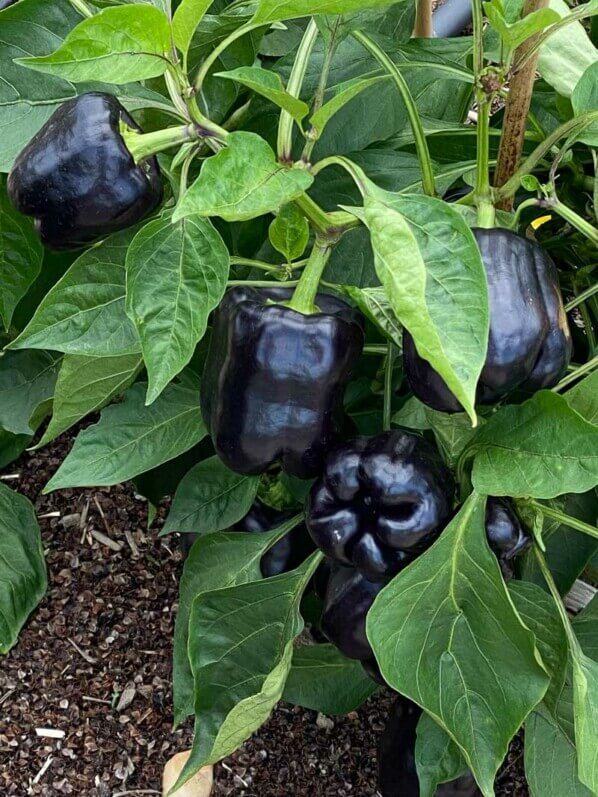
{"points": [[274, 379], [380, 502], [397, 772], [77, 178], [287, 554], [529, 346]]}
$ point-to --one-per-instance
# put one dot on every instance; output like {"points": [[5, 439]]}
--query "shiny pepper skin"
{"points": [[506, 535], [529, 346], [397, 772], [5, 3], [287, 554], [78, 180], [380, 502], [274, 379]]}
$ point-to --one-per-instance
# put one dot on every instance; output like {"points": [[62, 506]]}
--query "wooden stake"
{"points": [[423, 20]]}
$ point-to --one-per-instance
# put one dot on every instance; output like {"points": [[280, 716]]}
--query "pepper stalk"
{"points": [[304, 296]]}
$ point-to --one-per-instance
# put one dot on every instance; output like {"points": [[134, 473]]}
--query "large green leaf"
{"points": [[322, 679], [585, 701], [269, 85], [540, 449], [210, 498], [374, 304], [437, 757], [428, 261], [240, 671], [27, 380], [85, 385], [242, 181], [215, 561], [186, 19], [23, 579], [274, 10], [446, 634], [118, 45], [130, 438], [583, 398], [84, 313], [176, 276], [21, 256]]}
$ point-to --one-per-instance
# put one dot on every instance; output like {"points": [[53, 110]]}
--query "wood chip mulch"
{"points": [[85, 696]]}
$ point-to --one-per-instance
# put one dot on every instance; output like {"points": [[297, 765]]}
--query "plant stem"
{"points": [[303, 300], [548, 577], [285, 125], [516, 111], [375, 350], [591, 365], [387, 412], [261, 284], [575, 220], [359, 176], [82, 7], [423, 20], [482, 191], [143, 145], [217, 52], [566, 520], [312, 135], [245, 261], [530, 163], [587, 294], [328, 225], [421, 145], [574, 15]]}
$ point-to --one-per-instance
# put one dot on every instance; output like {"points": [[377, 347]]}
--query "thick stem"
{"points": [[285, 125], [304, 297], [423, 20], [421, 145], [329, 225], [567, 520], [586, 368], [516, 111], [143, 145]]}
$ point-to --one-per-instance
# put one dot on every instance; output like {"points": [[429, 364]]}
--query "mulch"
{"points": [[94, 663]]}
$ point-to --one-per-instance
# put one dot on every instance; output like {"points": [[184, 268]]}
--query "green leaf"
{"points": [[185, 21], [215, 561], [585, 625], [130, 438], [176, 276], [289, 232], [27, 380], [539, 449], [583, 398], [412, 415], [374, 304], [23, 579], [242, 181], [585, 700], [427, 259], [437, 757], [269, 85], [84, 313], [275, 10], [12, 446], [515, 33], [566, 54], [345, 92], [452, 432], [240, 671], [21, 256], [322, 679], [550, 760], [446, 634], [85, 385], [210, 498], [585, 99], [118, 45]]}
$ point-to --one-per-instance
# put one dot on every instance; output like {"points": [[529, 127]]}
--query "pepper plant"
{"points": [[321, 277]]}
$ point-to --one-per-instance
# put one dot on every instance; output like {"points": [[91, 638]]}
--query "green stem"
{"points": [[387, 412], [261, 283], [328, 225], [419, 135], [143, 145], [575, 220], [303, 300], [375, 350], [312, 135], [217, 52], [359, 176], [566, 520], [548, 577], [591, 365], [245, 261], [82, 7], [285, 125], [530, 163], [482, 192], [587, 294]]}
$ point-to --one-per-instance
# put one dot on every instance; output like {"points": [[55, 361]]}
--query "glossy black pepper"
{"points": [[274, 379], [287, 554], [529, 346], [77, 178], [505, 533], [380, 502], [397, 772], [5, 3]]}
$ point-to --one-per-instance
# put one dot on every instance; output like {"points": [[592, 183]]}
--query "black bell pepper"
{"points": [[274, 379], [5, 3], [506, 535], [380, 502], [77, 178], [529, 346], [397, 772], [285, 555]]}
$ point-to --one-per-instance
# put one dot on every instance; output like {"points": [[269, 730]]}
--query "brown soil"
{"points": [[94, 663]]}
